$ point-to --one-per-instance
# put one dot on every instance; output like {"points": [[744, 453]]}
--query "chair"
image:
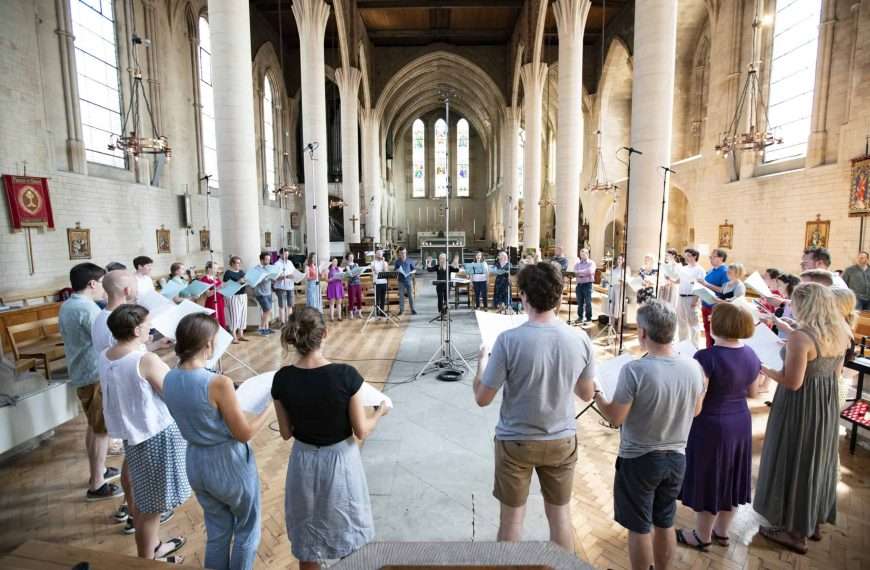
{"points": [[37, 341]]}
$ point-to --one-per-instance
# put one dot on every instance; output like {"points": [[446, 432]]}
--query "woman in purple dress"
{"points": [[718, 474], [335, 288]]}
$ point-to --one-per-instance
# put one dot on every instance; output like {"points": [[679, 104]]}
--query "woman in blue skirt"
{"points": [[313, 297]]}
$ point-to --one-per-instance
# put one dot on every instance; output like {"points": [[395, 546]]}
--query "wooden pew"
{"points": [[38, 555], [38, 341]]}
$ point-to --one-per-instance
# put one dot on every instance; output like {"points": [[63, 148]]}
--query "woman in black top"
{"points": [[237, 305], [327, 509], [441, 269]]}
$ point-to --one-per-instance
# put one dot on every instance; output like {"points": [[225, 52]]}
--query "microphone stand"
{"points": [[667, 170], [631, 151]]}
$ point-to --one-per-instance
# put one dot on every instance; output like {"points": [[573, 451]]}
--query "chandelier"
{"points": [[336, 204], [750, 103], [599, 181], [132, 142]]}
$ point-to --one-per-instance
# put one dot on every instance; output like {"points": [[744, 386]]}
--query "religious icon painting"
{"points": [[817, 232], [726, 235], [267, 239], [164, 241], [79, 241], [204, 240], [859, 199]]}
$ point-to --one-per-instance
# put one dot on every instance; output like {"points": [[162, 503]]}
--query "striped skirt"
{"points": [[237, 307], [158, 471]]}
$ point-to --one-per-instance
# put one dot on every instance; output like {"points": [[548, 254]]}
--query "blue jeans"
{"points": [[227, 487], [479, 293], [405, 288], [584, 300]]}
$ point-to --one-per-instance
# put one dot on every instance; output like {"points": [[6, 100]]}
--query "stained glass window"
{"points": [[98, 80], [268, 139], [793, 76], [521, 145], [440, 158], [206, 101], [418, 136], [462, 161]]}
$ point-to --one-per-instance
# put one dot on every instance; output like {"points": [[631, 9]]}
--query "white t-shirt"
{"points": [[688, 275], [145, 284], [101, 336], [379, 266], [838, 282], [287, 269]]}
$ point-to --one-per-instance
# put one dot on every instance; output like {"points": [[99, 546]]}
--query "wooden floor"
{"points": [[42, 491]]}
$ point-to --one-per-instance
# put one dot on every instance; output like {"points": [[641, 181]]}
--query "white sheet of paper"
{"points": [[685, 349], [766, 346], [373, 397], [705, 294], [491, 325], [222, 342], [749, 306], [255, 393], [635, 283], [167, 321], [756, 283], [155, 303], [607, 374]]}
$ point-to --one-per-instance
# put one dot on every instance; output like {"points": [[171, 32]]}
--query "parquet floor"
{"points": [[41, 491]]}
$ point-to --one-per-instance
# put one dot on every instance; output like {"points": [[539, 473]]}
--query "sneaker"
{"points": [[107, 491], [130, 528], [111, 474], [262, 332], [122, 514]]}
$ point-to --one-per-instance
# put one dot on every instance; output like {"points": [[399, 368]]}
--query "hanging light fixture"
{"points": [[132, 142], [750, 103], [599, 181]]}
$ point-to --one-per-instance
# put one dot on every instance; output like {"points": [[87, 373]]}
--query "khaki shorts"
{"points": [[91, 398], [553, 460]]}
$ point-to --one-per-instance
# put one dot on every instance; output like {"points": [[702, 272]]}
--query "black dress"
{"points": [[441, 288]]}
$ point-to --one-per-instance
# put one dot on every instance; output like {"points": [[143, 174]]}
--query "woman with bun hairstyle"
{"points": [[220, 462], [326, 499]]}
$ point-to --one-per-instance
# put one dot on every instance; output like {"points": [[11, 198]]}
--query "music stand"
{"points": [[448, 283], [377, 311], [570, 275]]}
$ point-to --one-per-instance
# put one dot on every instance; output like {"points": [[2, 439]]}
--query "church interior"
{"points": [[192, 132]]}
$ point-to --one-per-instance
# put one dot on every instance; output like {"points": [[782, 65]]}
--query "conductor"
{"points": [[441, 270]]}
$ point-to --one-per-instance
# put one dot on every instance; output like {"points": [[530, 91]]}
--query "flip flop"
{"points": [[721, 540], [701, 545], [777, 535], [176, 544]]}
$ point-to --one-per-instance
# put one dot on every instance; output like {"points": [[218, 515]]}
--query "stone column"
{"points": [[571, 21], [817, 144], [652, 95], [534, 77], [371, 169], [348, 79], [229, 22], [311, 18], [75, 144], [510, 148]]}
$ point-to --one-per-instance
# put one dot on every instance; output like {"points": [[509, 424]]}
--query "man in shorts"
{"points": [[263, 294], [76, 319], [541, 365]]}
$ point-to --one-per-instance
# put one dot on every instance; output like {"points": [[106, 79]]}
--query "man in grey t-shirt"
{"points": [[541, 365], [656, 398]]}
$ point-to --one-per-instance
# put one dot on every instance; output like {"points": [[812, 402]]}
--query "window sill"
{"points": [[779, 166]]}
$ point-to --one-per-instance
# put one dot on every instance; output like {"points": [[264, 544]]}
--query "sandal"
{"points": [[175, 545], [721, 540], [171, 559], [782, 538], [701, 545], [817, 535]]}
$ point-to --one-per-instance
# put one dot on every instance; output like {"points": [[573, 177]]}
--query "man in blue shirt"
{"points": [[405, 267], [715, 279], [75, 320]]}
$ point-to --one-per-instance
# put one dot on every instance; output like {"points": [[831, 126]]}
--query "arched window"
{"points": [[418, 158], [98, 79], [521, 145], [440, 158], [793, 76], [206, 98], [462, 162], [268, 139]]}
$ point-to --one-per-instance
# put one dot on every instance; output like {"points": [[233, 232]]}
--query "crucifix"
{"points": [[354, 220]]}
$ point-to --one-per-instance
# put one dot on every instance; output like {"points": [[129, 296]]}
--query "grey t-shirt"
{"points": [[538, 365], [662, 393]]}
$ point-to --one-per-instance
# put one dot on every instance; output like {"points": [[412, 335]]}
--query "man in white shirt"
{"points": [[142, 265], [820, 258], [284, 285], [379, 265], [687, 303]]}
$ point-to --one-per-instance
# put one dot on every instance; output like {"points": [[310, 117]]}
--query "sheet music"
{"points": [[371, 396], [195, 289], [255, 393], [766, 346], [155, 303], [635, 283], [756, 282], [685, 349], [491, 325], [255, 275], [171, 289], [222, 342], [607, 374], [705, 294], [167, 321], [230, 288]]}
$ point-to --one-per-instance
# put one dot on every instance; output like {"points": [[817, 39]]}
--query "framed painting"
{"points": [[267, 239], [204, 240], [79, 240], [164, 241], [817, 232], [859, 199], [726, 235]]}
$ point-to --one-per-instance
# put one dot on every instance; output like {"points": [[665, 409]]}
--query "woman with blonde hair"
{"points": [[846, 301], [734, 288], [797, 479]]}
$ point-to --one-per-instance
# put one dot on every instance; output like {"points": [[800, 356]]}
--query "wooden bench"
{"points": [[38, 341], [38, 555]]}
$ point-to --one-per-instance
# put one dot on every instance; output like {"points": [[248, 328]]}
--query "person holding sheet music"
{"points": [[406, 268], [715, 278], [263, 294], [380, 266], [354, 287], [441, 270], [327, 507], [142, 265], [178, 277], [797, 478], [669, 283], [284, 285], [734, 288], [687, 305], [334, 288], [213, 299], [238, 303], [501, 297], [313, 297], [541, 364], [718, 475], [584, 271], [220, 461], [655, 399], [620, 274], [647, 275]]}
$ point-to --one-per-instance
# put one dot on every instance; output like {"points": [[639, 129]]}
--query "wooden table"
{"points": [[860, 364], [38, 555]]}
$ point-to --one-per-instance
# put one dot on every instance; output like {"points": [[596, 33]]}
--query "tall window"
{"points": [[462, 162], [418, 158], [440, 158], [521, 145], [98, 78], [268, 139], [206, 98], [793, 76]]}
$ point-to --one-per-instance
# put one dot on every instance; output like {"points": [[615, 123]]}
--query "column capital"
{"points": [[571, 18], [311, 18], [348, 81], [513, 115], [369, 117], [534, 77]]}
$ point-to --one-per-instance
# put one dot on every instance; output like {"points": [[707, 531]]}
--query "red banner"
{"points": [[28, 201]]}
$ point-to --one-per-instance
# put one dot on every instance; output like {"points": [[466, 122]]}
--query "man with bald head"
{"points": [[121, 287]]}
